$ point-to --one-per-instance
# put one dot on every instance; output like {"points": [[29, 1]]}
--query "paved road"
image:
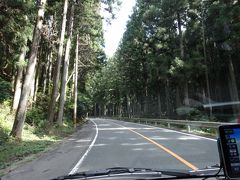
{"points": [[106, 143]]}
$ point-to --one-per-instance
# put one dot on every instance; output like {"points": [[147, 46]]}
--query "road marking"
{"points": [[76, 167], [170, 130], [185, 162], [168, 151]]}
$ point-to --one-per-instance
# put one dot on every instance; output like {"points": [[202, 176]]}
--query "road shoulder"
{"points": [[57, 159]]}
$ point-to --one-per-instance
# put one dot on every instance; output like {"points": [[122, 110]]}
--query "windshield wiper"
{"points": [[111, 171], [140, 172], [208, 172]]}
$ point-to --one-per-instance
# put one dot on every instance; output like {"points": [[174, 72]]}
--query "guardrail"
{"points": [[170, 122]]}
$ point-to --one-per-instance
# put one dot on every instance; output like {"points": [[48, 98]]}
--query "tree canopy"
{"points": [[173, 54]]}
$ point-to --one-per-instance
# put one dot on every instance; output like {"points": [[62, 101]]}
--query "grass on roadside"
{"points": [[34, 139]]}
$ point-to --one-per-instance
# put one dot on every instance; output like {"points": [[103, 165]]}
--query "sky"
{"points": [[113, 32]]}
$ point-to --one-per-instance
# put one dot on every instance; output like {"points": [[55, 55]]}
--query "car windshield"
{"points": [[96, 84]]}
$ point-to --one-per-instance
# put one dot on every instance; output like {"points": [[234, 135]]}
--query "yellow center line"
{"points": [[188, 164]]}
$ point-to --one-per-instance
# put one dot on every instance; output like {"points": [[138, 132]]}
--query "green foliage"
{"points": [[35, 117], [84, 106], [15, 151], [157, 64], [16, 20], [5, 120], [5, 89], [35, 138], [197, 115]]}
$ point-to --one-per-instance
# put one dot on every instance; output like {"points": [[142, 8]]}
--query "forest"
{"points": [[177, 59], [47, 50]]}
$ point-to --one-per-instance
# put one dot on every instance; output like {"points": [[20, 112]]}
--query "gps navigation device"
{"points": [[229, 137]]}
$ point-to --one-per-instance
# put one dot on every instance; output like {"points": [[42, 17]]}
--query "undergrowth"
{"points": [[36, 137]]}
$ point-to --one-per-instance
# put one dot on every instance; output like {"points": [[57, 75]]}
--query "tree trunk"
{"points": [[34, 86], [159, 104], [46, 69], [65, 71], [99, 110], [167, 98], [50, 69], [72, 86], [233, 86], [113, 110], [39, 67], [104, 110], [145, 106], [32, 89], [206, 69], [18, 80], [186, 94], [120, 110], [53, 100], [49, 49], [13, 80], [21, 111], [129, 106], [178, 99], [180, 36], [95, 110], [182, 55], [139, 107], [75, 86]]}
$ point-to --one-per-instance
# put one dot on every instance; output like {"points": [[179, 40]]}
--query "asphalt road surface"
{"points": [[105, 143]]}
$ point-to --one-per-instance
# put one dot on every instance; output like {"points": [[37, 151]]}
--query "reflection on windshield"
{"points": [[154, 102]]}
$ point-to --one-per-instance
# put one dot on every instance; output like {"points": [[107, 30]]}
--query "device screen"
{"points": [[232, 139], [229, 138]]}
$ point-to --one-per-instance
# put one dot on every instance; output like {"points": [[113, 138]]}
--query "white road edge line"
{"points": [[193, 135], [76, 167]]}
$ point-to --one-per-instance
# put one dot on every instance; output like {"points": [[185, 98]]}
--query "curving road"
{"points": [[104, 143]]}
